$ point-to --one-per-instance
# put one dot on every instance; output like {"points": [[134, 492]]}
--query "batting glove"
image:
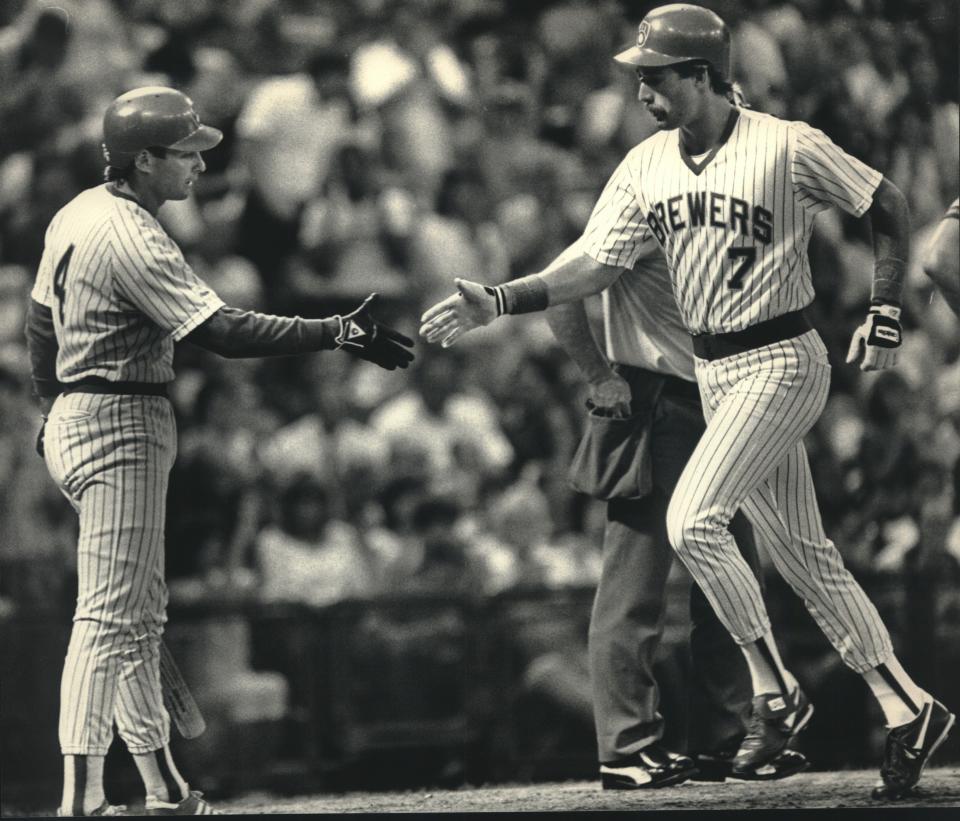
{"points": [[360, 334], [879, 339]]}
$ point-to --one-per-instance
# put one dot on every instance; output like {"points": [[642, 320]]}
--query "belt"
{"points": [[717, 346], [97, 384]]}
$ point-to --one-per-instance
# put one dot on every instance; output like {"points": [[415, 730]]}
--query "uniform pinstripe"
{"points": [[128, 296], [121, 294], [735, 228], [759, 193]]}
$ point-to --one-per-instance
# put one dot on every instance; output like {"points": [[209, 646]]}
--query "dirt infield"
{"points": [[820, 790]]}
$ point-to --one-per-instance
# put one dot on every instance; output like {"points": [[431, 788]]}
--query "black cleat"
{"points": [[775, 719], [649, 768], [908, 749], [718, 767]]}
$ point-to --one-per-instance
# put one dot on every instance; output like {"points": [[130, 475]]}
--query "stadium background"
{"points": [[383, 579]]}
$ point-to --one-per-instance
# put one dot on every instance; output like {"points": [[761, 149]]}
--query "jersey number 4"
{"points": [[744, 258], [60, 280]]}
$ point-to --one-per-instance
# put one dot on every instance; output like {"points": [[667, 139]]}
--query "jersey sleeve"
{"points": [[953, 212], [616, 231], [823, 174], [43, 285], [151, 273]]}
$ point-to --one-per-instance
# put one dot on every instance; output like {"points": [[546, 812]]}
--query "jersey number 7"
{"points": [[60, 280], [747, 256]]}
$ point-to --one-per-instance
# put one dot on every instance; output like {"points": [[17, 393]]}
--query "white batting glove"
{"points": [[879, 339], [473, 306]]}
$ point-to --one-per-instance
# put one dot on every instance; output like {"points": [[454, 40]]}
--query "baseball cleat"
{"points": [[193, 804], [719, 767], [908, 749], [649, 768], [774, 720], [104, 809]]}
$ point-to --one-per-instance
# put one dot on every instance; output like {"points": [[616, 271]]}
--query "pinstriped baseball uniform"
{"points": [[643, 330], [120, 293], [734, 228]]}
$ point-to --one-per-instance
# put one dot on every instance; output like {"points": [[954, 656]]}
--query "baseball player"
{"points": [[941, 259], [113, 293], [730, 195], [644, 422]]}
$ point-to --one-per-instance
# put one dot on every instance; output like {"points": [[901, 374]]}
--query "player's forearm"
{"points": [[577, 278], [890, 220], [562, 282], [42, 348], [237, 334], [571, 328]]}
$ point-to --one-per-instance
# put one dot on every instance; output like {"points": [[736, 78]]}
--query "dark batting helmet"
{"points": [[680, 33], [153, 117]]}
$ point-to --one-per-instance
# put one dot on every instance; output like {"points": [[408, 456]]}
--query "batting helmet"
{"points": [[153, 117], [679, 33]]}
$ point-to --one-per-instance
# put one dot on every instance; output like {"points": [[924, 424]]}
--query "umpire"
{"points": [[645, 419]]}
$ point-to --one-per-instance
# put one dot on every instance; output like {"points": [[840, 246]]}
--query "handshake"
{"points": [[363, 336], [472, 306]]}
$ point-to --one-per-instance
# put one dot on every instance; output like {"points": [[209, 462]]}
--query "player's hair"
{"points": [[113, 173], [718, 83]]}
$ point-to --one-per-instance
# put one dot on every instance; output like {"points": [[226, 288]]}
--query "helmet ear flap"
{"points": [[120, 161]]}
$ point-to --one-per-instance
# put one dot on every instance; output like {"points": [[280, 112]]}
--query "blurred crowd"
{"points": [[388, 146]]}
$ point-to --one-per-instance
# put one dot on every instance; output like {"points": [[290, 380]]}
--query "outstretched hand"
{"points": [[361, 335], [473, 306]]}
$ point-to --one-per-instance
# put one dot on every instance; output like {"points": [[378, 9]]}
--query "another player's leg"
{"points": [[142, 719], [74, 450], [720, 688], [625, 629], [145, 727], [910, 744], [757, 405], [785, 509]]}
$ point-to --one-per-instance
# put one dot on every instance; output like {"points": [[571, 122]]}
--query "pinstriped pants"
{"points": [[111, 457], [758, 405]]}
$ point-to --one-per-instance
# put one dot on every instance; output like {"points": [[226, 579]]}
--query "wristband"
{"points": [[522, 296], [888, 274]]}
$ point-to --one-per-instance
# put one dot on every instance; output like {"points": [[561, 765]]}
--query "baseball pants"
{"points": [[111, 456], [759, 404], [630, 603]]}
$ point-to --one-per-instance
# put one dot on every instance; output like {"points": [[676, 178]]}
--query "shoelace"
{"points": [[755, 729], [899, 751]]}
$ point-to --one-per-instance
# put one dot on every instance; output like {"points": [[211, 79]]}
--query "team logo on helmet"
{"points": [[642, 33]]}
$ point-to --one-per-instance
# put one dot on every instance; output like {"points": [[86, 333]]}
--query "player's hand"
{"points": [[610, 396], [361, 335], [471, 307], [878, 339]]}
